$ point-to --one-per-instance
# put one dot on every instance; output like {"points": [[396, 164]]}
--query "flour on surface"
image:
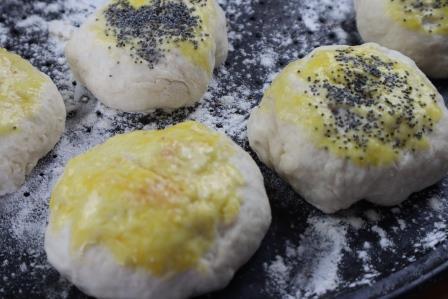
{"points": [[321, 254]]}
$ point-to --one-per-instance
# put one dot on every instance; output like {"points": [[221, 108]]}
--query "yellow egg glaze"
{"points": [[199, 52], [201, 55], [154, 198], [139, 3], [20, 86], [357, 103], [430, 16]]}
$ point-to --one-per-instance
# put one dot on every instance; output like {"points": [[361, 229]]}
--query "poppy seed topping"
{"points": [[150, 29], [430, 16], [358, 103]]}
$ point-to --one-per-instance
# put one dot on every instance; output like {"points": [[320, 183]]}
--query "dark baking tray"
{"points": [[278, 25]]}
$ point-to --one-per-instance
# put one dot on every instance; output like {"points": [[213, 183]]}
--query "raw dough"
{"points": [[32, 119], [157, 214], [139, 55], [418, 29], [351, 123]]}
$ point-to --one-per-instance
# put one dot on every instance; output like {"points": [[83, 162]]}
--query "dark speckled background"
{"points": [[402, 268]]}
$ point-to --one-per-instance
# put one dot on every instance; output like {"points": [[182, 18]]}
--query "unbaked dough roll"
{"points": [[32, 119], [139, 55], [157, 214], [351, 123], [418, 29]]}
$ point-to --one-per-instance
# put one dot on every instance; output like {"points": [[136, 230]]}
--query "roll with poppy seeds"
{"points": [[418, 29], [350, 123], [141, 55], [157, 214]]}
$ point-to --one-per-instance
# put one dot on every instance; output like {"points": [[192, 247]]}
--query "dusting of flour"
{"points": [[319, 255]]}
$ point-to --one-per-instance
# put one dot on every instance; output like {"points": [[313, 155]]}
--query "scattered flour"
{"points": [[310, 269], [434, 238], [309, 266], [436, 203], [385, 242]]}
